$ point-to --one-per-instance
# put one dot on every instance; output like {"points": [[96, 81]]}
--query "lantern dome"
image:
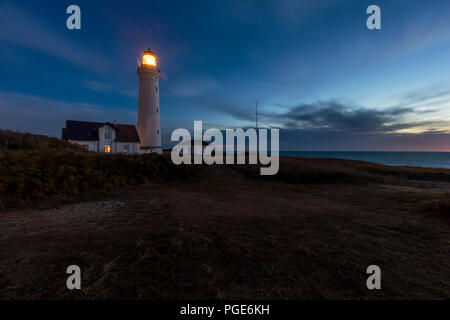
{"points": [[149, 58]]}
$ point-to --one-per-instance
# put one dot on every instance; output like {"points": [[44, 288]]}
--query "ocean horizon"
{"points": [[398, 158]]}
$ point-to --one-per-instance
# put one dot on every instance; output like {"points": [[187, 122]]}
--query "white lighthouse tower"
{"points": [[149, 128]]}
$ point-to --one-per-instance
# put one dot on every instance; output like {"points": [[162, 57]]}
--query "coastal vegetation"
{"points": [[35, 167], [141, 228]]}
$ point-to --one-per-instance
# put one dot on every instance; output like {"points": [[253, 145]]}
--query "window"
{"points": [[107, 135], [158, 131], [156, 89], [157, 110], [107, 148], [126, 148]]}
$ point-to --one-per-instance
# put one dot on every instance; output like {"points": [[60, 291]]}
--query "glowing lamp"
{"points": [[149, 58]]}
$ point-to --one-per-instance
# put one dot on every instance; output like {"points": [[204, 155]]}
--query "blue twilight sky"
{"points": [[319, 74]]}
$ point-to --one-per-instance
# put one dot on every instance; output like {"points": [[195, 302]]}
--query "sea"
{"points": [[414, 159]]}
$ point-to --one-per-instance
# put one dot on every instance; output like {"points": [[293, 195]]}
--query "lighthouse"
{"points": [[149, 128]]}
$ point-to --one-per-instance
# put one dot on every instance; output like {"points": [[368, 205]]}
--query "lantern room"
{"points": [[149, 59]]}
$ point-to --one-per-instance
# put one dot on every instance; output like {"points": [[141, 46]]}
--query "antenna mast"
{"points": [[256, 114]]}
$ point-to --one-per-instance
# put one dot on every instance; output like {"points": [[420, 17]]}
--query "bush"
{"points": [[37, 174], [10, 140]]}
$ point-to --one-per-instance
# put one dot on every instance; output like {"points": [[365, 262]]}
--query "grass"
{"points": [[439, 206], [34, 168], [268, 259], [308, 233], [10, 140], [317, 171]]}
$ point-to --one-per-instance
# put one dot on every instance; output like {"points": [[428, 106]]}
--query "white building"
{"points": [[148, 110], [103, 137], [124, 138]]}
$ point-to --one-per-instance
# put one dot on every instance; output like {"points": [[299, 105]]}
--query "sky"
{"points": [[319, 74]]}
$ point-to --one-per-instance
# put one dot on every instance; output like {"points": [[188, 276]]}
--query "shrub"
{"points": [[10, 140], [37, 174]]}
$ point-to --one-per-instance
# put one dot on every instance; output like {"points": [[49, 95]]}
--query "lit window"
{"points": [[107, 148], [125, 148], [107, 135]]}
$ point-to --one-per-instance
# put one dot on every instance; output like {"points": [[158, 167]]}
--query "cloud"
{"points": [[194, 87], [104, 88], [46, 116], [335, 117], [335, 126], [427, 100], [421, 32], [419, 111], [293, 12], [345, 141], [330, 116], [234, 111], [24, 29]]}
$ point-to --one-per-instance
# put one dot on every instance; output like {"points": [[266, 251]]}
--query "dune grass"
{"points": [[309, 170], [309, 232], [34, 168], [11, 140]]}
